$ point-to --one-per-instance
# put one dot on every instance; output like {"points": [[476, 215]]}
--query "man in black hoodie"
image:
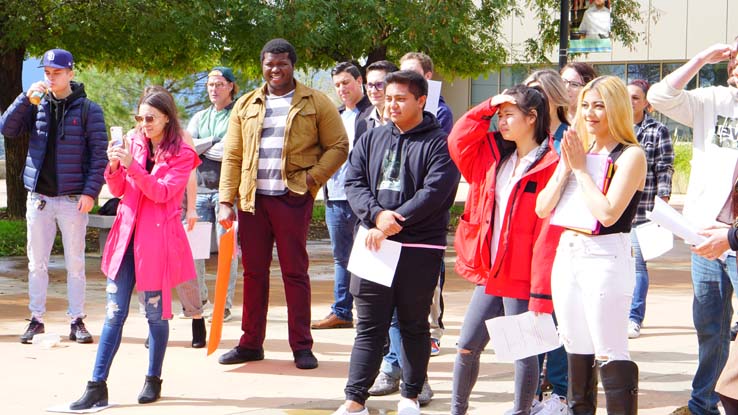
{"points": [[400, 183]]}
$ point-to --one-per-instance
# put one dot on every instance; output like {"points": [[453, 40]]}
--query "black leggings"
{"points": [[415, 280], [729, 404]]}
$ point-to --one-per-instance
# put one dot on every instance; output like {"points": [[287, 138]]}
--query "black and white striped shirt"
{"points": [[269, 180]]}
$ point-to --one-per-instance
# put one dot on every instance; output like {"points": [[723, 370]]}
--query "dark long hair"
{"points": [[162, 100], [585, 70], [528, 99]]}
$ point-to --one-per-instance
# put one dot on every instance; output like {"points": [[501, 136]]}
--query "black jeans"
{"points": [[411, 293]]}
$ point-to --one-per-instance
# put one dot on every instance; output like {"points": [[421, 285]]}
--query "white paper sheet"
{"points": [[654, 240], [572, 210], [64, 408], [523, 335], [377, 266], [199, 238], [434, 96], [669, 218]]}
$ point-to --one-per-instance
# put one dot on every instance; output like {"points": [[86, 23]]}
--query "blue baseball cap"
{"points": [[57, 58]]}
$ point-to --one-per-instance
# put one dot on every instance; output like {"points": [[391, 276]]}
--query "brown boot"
{"points": [[332, 322], [620, 381], [582, 397]]}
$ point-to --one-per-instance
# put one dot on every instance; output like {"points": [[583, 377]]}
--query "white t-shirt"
{"points": [[596, 22], [507, 177]]}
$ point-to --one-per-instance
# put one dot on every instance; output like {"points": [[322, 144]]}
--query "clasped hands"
{"points": [[387, 224]]}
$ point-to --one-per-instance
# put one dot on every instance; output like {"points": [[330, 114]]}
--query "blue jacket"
{"points": [[80, 149]]}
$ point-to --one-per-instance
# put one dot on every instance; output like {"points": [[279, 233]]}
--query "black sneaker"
{"points": [[34, 327], [239, 355], [79, 332], [733, 331], [305, 359]]}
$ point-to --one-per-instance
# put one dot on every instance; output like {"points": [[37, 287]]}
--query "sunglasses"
{"points": [[147, 119], [379, 86], [573, 84]]}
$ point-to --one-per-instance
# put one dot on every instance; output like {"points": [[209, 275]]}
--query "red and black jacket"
{"points": [[527, 247]]}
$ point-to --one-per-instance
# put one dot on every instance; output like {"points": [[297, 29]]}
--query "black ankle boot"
{"points": [[582, 397], [198, 333], [96, 394], [151, 391], [620, 381]]}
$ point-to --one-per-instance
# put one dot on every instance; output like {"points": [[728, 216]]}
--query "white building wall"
{"points": [[673, 30]]}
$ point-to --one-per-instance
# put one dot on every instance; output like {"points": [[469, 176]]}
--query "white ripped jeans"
{"points": [[43, 214], [592, 285]]}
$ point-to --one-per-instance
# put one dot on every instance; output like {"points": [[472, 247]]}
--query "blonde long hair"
{"points": [[555, 90], [618, 108]]}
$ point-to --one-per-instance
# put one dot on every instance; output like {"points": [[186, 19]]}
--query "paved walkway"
{"points": [[36, 378], [194, 383]]}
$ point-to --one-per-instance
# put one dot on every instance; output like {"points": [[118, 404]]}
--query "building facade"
{"points": [[672, 32]]}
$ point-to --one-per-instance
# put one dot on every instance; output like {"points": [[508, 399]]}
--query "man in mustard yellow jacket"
{"points": [[283, 142]]}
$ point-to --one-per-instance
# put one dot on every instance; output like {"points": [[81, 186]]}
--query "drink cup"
{"points": [[46, 340], [36, 97]]}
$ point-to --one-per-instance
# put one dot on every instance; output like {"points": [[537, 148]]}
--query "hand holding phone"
{"points": [[116, 136]]}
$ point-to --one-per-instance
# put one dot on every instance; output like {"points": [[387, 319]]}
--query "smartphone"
{"points": [[116, 136]]}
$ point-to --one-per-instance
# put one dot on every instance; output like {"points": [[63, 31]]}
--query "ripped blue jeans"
{"points": [[119, 293]]}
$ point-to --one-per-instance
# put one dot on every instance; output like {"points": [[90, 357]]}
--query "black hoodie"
{"points": [[410, 173], [47, 184]]}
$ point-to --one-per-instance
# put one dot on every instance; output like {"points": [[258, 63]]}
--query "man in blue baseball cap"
{"points": [[63, 175]]}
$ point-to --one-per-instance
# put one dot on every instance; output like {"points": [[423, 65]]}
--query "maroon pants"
{"points": [[284, 220]]}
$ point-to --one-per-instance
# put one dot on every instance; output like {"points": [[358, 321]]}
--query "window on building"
{"points": [[617, 69], [670, 67], [484, 87], [651, 72], [513, 75], [716, 74]]}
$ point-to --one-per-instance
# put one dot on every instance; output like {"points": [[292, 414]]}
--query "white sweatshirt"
{"points": [[712, 113]]}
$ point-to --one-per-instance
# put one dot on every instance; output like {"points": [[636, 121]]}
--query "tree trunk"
{"points": [[377, 54], [11, 84]]}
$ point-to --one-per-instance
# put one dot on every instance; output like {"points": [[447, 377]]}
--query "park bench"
{"points": [[104, 223]]}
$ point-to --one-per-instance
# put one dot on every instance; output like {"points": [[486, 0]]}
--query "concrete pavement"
{"points": [[36, 378]]}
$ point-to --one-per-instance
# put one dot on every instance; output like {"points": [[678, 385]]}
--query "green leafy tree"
{"points": [[152, 36], [171, 39], [118, 92], [464, 37]]}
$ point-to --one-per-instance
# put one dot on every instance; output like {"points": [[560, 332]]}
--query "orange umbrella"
{"points": [[225, 257]]}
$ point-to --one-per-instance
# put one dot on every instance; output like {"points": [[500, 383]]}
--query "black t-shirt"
{"points": [[46, 183]]}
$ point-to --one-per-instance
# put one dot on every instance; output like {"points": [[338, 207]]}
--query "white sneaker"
{"points": [[207, 309], [535, 408], [408, 407], [634, 329], [553, 406], [343, 411]]}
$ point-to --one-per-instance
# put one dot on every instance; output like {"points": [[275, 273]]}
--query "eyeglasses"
{"points": [[379, 86], [573, 84], [147, 119]]}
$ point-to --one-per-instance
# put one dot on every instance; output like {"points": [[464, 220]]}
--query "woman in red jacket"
{"points": [[499, 230]]}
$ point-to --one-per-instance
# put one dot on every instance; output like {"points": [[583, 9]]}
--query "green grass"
{"points": [[13, 241], [319, 214], [682, 166]]}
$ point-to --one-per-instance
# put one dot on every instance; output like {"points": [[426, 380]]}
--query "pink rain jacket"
{"points": [[151, 203]]}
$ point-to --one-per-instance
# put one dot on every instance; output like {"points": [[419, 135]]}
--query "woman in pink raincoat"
{"points": [[147, 246]]}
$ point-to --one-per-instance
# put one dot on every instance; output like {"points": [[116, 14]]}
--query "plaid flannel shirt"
{"points": [[656, 143]]}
